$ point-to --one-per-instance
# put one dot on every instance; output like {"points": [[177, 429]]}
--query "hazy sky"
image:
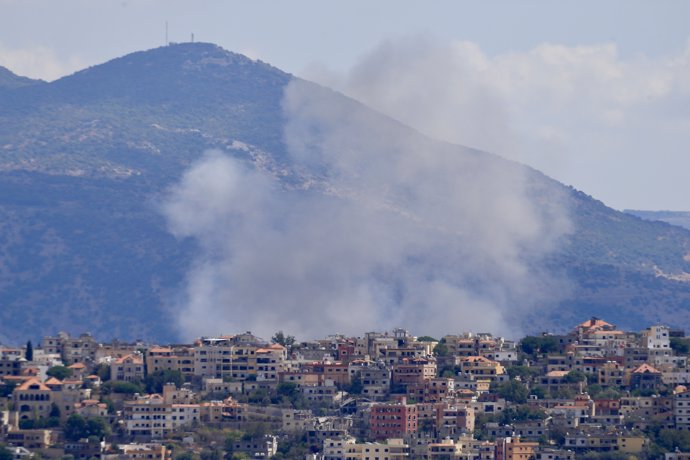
{"points": [[595, 94]]}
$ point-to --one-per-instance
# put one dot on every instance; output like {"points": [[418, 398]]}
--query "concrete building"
{"points": [[128, 368], [393, 420]]}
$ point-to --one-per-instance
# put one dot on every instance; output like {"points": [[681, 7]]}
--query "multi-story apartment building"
{"points": [[239, 357], [515, 449], [414, 371], [129, 368], [375, 377], [480, 367], [155, 416], [432, 390], [71, 349], [656, 338], [681, 410], [393, 420], [171, 359], [452, 419]]}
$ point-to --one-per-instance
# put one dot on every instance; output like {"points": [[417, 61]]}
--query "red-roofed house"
{"points": [[128, 368], [33, 400], [645, 377]]}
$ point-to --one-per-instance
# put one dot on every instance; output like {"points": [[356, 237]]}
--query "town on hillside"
{"points": [[595, 393]]}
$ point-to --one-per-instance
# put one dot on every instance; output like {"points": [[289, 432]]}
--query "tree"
{"points": [[526, 373], [575, 376], [121, 388], [533, 345], [211, 454], [59, 372], [29, 355], [289, 392], [97, 427], [426, 338], [680, 345], [441, 349], [673, 439], [7, 389], [54, 411], [355, 387], [281, 339], [230, 440], [521, 413], [513, 391], [155, 381], [5, 453], [77, 427], [103, 372], [539, 392]]}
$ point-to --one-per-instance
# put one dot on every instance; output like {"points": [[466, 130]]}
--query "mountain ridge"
{"points": [[10, 80], [87, 157]]}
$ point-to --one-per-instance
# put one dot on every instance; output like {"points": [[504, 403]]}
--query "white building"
{"points": [[656, 338]]}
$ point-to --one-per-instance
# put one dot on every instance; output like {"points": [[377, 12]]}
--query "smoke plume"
{"points": [[383, 227]]}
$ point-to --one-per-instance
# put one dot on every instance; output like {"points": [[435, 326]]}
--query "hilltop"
{"points": [[86, 159]]}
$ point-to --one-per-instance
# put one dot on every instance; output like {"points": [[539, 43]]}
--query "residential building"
{"points": [[129, 368], [393, 420]]}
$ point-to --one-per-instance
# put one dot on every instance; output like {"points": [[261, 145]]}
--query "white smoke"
{"points": [[386, 228], [584, 115], [38, 62]]}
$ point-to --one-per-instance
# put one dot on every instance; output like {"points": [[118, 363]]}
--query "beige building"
{"points": [[33, 400], [348, 449], [137, 451], [155, 416], [171, 359], [128, 368], [71, 349], [413, 371], [480, 367]]}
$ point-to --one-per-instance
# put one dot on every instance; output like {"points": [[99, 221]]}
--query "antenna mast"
{"points": [[166, 33]]}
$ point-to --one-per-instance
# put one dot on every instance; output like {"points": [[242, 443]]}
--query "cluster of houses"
{"points": [[384, 396]]}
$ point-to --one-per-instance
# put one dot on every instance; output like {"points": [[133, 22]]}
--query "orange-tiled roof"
{"points": [[77, 366], [646, 368], [277, 346], [53, 381], [31, 382], [474, 359], [594, 323], [615, 332], [133, 358]]}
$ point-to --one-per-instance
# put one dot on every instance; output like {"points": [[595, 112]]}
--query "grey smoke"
{"points": [[384, 228]]}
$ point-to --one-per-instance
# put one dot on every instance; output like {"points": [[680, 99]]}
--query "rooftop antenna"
{"points": [[192, 37], [166, 33]]}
